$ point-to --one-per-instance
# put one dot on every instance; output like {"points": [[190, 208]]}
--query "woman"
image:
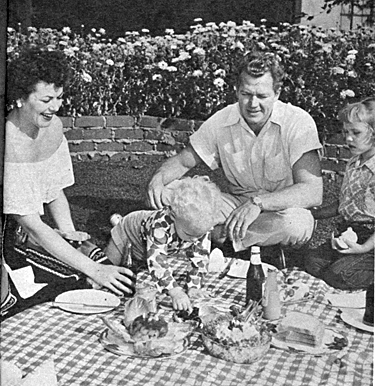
{"points": [[37, 168]]}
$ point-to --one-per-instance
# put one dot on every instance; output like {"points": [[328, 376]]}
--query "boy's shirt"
{"points": [[163, 242], [357, 195]]}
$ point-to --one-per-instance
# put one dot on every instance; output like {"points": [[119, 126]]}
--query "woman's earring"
{"points": [[19, 103]]}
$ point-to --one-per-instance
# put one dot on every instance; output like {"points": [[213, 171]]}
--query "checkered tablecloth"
{"points": [[71, 340]]}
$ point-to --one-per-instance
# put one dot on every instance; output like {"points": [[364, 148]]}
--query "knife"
{"points": [[226, 269], [83, 304]]}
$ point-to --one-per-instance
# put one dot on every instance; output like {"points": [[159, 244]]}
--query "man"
{"points": [[268, 151]]}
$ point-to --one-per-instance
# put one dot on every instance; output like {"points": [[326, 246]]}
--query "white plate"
{"points": [[354, 317], [328, 338], [101, 301], [116, 346], [240, 267]]}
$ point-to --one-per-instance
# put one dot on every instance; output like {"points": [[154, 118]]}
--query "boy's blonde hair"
{"points": [[363, 111], [196, 199]]}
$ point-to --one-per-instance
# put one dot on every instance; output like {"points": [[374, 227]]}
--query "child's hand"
{"points": [[353, 248], [180, 300]]}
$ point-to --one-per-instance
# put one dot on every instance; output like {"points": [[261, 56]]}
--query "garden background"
{"points": [[135, 99]]}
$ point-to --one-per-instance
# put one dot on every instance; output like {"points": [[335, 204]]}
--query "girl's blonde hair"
{"points": [[196, 199], [363, 111]]}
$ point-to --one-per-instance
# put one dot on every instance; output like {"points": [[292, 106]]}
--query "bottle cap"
{"points": [[255, 249]]}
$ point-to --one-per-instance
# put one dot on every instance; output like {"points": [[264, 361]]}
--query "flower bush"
{"points": [[192, 75]]}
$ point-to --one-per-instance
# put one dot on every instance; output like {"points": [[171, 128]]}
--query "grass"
{"points": [[104, 188]]}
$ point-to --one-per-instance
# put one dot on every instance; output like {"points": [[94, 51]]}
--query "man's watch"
{"points": [[258, 202]]}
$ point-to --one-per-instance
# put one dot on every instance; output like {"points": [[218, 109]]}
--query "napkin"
{"points": [[347, 300], [23, 279], [217, 261], [240, 267], [43, 375]]}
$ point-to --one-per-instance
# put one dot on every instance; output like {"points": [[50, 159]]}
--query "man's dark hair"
{"points": [[256, 64]]}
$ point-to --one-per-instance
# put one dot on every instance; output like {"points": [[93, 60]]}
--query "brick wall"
{"points": [[117, 138]]}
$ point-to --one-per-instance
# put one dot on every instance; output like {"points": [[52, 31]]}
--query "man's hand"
{"points": [[240, 219], [154, 192], [72, 236]]}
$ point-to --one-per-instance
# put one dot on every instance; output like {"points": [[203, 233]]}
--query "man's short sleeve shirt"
{"points": [[254, 163]]}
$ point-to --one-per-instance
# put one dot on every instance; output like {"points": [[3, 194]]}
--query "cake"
{"points": [[301, 328]]}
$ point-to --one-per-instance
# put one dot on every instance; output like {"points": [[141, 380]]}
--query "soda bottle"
{"points": [[255, 277], [271, 297], [127, 262]]}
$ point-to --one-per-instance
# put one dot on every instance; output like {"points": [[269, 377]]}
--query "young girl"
{"points": [[353, 267], [180, 229]]}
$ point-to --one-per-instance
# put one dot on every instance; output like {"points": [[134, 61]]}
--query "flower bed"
{"points": [[191, 75]]}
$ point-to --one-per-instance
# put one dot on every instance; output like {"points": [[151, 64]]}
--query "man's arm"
{"points": [[172, 169], [306, 192]]}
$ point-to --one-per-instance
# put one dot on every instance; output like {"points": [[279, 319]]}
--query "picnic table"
{"points": [[45, 332]]}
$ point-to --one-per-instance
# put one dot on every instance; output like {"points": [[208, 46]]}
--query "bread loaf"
{"points": [[301, 328]]}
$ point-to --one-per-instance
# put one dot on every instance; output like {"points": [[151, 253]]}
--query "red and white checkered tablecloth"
{"points": [[71, 340]]}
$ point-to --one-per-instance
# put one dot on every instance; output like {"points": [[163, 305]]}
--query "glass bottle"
{"points": [[271, 298], [255, 277], [127, 262]]}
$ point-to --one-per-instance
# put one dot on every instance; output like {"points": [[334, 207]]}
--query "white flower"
{"points": [[157, 77], [184, 55], [169, 31], [263, 21], [171, 68], [352, 52], [10, 29], [66, 30], [110, 62], [219, 82], [372, 45], [351, 58], [63, 43], [10, 49], [347, 93], [32, 29], [231, 24], [121, 40], [69, 51], [145, 30], [93, 30], [86, 77], [337, 70], [199, 51], [190, 46], [96, 46], [198, 20], [197, 73], [162, 65], [220, 72], [239, 45], [261, 45], [352, 74]]}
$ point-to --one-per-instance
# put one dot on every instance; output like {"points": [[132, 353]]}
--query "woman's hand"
{"points": [[119, 280], [180, 300]]}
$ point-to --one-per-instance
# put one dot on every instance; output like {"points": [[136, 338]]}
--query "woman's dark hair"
{"points": [[257, 63], [33, 66]]}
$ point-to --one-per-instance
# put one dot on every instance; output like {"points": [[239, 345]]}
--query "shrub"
{"points": [[191, 75]]}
